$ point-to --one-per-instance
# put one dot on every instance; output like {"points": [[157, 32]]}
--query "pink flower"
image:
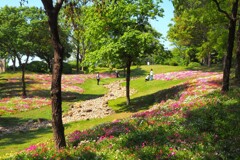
{"points": [[31, 148]]}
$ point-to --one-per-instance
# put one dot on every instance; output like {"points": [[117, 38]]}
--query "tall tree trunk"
{"points": [[209, 59], [14, 63], [49, 64], [56, 94], [83, 53], [128, 65], [78, 53], [24, 93], [231, 37], [237, 70], [23, 67], [228, 57]]}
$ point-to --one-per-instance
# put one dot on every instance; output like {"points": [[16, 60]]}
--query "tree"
{"points": [[231, 37], [237, 70], [75, 18], [131, 46], [198, 30], [56, 94], [123, 33], [20, 23], [43, 47], [218, 25]]}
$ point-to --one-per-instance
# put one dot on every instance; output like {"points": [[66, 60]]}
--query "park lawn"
{"points": [[18, 141], [192, 130], [145, 95]]}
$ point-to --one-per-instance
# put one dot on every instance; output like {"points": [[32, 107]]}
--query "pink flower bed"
{"points": [[18, 104], [191, 97], [42, 82], [183, 75]]}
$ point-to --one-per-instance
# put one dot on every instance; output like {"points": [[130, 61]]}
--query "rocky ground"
{"points": [[94, 108]]}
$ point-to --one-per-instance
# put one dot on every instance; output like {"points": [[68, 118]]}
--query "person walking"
{"points": [[98, 78], [117, 73], [147, 78], [151, 74]]}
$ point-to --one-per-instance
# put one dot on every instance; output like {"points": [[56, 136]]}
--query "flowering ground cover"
{"points": [[38, 91], [19, 104], [199, 123], [182, 75]]}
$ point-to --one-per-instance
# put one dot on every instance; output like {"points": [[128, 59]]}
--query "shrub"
{"points": [[67, 68], [194, 65], [10, 68], [37, 66]]}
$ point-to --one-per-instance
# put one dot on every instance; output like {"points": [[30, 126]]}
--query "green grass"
{"points": [[145, 69], [210, 131], [18, 141], [144, 97]]}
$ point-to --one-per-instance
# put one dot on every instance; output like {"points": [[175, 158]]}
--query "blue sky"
{"points": [[161, 24]]}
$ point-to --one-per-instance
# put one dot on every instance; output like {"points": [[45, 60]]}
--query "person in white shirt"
{"points": [[98, 78], [151, 75], [147, 78]]}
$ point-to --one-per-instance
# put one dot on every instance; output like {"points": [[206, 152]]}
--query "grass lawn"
{"points": [[141, 100], [145, 95], [200, 124]]}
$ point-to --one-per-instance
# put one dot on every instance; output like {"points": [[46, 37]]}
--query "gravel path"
{"points": [[95, 108], [85, 110]]}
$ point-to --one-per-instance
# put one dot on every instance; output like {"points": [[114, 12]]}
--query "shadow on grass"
{"points": [[144, 102], [210, 132], [11, 121], [12, 88], [219, 126], [23, 137], [138, 72], [84, 97], [213, 68]]}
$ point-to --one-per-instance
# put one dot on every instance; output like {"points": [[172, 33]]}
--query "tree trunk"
{"points": [[49, 64], [23, 66], [128, 64], [78, 52], [209, 59], [237, 70], [83, 53], [228, 57], [24, 93], [14, 63], [56, 94]]}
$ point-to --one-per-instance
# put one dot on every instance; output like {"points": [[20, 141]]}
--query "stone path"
{"points": [[94, 108]]}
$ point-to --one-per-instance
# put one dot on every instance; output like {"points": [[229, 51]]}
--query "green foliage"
{"points": [[193, 65], [122, 31], [67, 68], [209, 131], [198, 29], [37, 66], [171, 62]]}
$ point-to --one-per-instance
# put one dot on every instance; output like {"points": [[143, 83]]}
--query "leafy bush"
{"points": [[99, 133], [194, 65], [37, 66], [67, 68], [10, 68], [171, 62]]}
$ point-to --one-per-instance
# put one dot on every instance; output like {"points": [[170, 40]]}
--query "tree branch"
{"points": [[220, 9], [58, 5], [48, 5]]}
